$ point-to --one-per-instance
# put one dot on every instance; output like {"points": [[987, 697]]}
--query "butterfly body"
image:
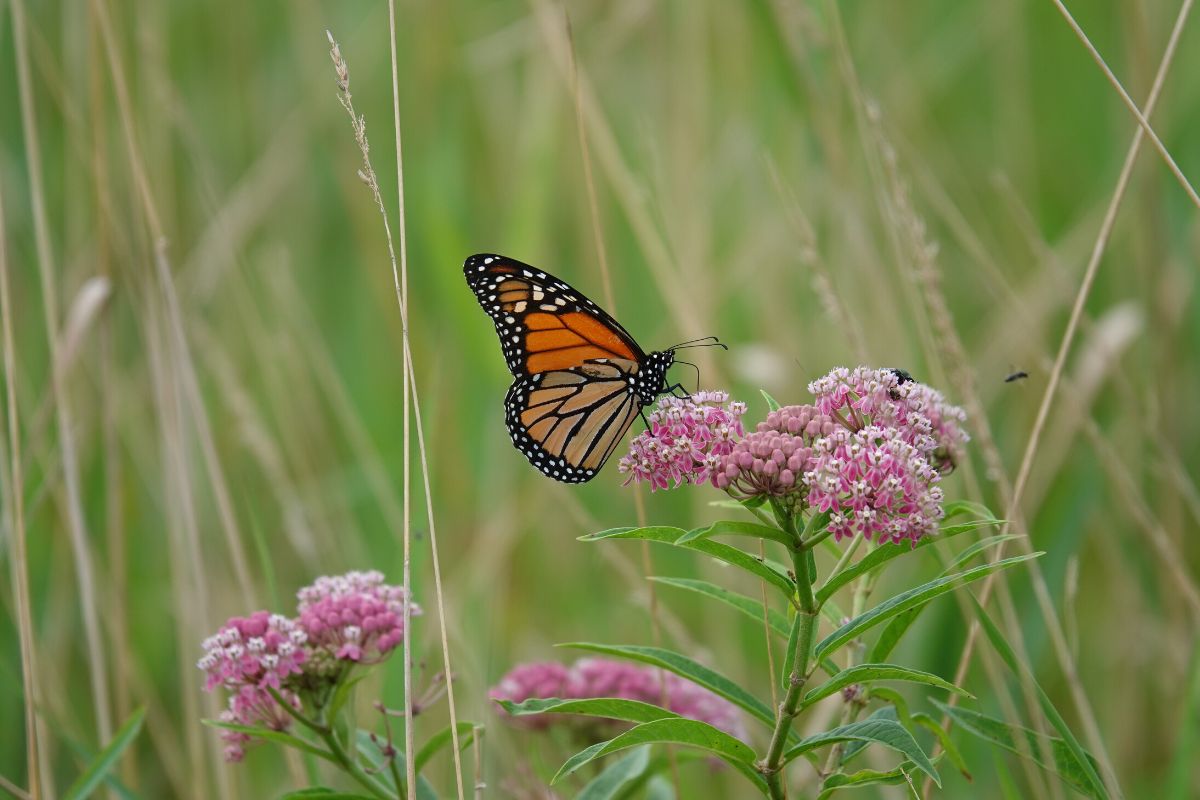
{"points": [[580, 378]]}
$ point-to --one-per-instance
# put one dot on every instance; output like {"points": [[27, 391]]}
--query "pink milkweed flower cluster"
{"points": [[870, 396], [354, 617], [342, 621], [875, 484], [686, 440], [869, 450], [601, 677], [249, 656], [772, 460]]}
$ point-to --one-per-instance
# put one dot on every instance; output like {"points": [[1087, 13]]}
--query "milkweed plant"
{"points": [[290, 680], [857, 473]]}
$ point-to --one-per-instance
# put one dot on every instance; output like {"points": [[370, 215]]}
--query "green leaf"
{"points": [[865, 777], [868, 673], [609, 783], [686, 732], [1000, 733], [880, 731], [607, 707], [913, 598], [342, 694], [772, 403], [323, 793], [881, 554], [750, 607], [651, 533], [978, 547], [279, 737], [733, 528], [685, 667], [773, 573], [948, 746], [1096, 786], [466, 735], [891, 713], [956, 508], [893, 632], [96, 771]]}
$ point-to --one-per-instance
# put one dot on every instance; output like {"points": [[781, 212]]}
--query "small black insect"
{"points": [[1016, 376], [902, 377]]}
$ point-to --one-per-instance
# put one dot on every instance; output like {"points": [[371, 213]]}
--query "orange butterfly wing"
{"points": [[581, 379]]}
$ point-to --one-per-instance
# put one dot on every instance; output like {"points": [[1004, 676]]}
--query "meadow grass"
{"points": [[957, 189]]}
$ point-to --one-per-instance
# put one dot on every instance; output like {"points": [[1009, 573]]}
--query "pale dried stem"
{"points": [[1064, 349], [1132, 106], [14, 496], [367, 174], [77, 523]]}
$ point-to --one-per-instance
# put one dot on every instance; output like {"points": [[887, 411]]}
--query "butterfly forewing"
{"points": [[581, 379], [543, 322]]}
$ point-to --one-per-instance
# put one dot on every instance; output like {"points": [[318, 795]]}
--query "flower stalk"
{"points": [[804, 630]]}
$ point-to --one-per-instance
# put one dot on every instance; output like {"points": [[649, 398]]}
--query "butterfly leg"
{"points": [[672, 388]]}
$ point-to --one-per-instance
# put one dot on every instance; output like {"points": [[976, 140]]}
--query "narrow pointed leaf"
{"points": [[865, 777], [877, 731], [1001, 734], [881, 554], [685, 667], [893, 632], [680, 731], [96, 771], [278, 737], [869, 673], [606, 707], [978, 547], [948, 745], [750, 607], [911, 599], [1002, 647], [773, 573], [732, 528], [772, 403], [466, 735], [609, 783]]}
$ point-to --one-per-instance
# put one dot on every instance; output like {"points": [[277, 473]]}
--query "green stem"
{"points": [[350, 765], [343, 759], [805, 628], [852, 709]]}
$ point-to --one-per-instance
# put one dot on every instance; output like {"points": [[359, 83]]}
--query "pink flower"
{"points": [[250, 656], [874, 484], [260, 650], [600, 677], [871, 396], [353, 617], [772, 460], [251, 705], [686, 439]]}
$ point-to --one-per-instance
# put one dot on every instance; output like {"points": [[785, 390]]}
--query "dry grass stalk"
{"points": [[367, 175]]}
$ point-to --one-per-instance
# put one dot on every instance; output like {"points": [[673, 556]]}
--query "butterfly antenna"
{"points": [[707, 341], [693, 366]]}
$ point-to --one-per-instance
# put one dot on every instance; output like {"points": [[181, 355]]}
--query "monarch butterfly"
{"points": [[581, 379]]}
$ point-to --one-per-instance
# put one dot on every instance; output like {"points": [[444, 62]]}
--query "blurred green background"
{"points": [[810, 182]]}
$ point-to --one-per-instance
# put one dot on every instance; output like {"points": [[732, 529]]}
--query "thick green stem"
{"points": [[348, 764], [805, 628]]}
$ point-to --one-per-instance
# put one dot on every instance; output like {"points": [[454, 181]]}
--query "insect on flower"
{"points": [[581, 378]]}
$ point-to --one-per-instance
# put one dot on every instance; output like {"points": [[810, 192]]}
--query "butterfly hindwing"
{"points": [[568, 423]]}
